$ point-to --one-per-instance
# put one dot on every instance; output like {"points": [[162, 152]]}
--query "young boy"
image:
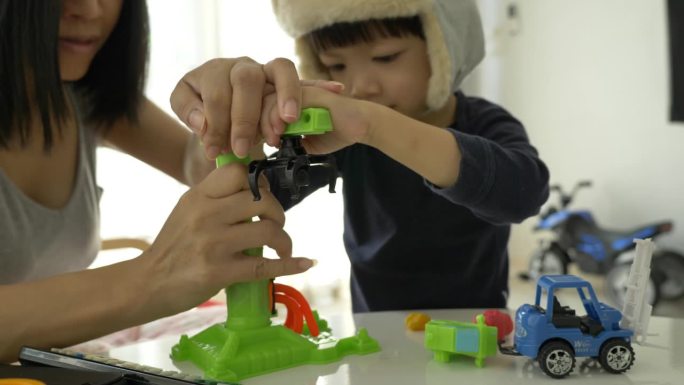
{"points": [[432, 178]]}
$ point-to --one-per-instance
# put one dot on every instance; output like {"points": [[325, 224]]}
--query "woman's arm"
{"points": [[162, 142], [71, 308], [197, 252]]}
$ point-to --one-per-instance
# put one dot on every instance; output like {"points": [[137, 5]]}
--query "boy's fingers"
{"points": [[317, 96], [282, 73], [329, 85]]}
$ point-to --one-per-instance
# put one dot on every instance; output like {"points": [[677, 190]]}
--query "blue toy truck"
{"points": [[555, 335]]}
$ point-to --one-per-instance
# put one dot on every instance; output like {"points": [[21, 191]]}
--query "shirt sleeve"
{"points": [[502, 180]]}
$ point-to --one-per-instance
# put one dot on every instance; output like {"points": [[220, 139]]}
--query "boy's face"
{"points": [[392, 71]]}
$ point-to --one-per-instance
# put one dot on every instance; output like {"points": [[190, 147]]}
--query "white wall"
{"points": [[590, 81]]}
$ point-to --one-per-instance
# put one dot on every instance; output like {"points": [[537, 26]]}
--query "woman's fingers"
{"points": [[271, 128], [283, 74], [238, 208], [248, 81], [256, 268], [187, 104], [242, 236], [217, 97]]}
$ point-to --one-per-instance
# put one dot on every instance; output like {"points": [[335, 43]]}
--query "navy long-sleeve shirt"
{"points": [[413, 245]]}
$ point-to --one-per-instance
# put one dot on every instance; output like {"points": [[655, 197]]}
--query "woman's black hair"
{"points": [[29, 69], [345, 34]]}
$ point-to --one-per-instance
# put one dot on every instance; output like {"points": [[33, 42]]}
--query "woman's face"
{"points": [[84, 27]]}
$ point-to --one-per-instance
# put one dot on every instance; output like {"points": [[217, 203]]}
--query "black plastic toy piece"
{"points": [[292, 165]]}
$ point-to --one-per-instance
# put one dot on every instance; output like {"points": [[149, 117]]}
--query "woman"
{"points": [[72, 75]]}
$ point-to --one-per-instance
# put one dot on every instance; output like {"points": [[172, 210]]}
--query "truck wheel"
{"points": [[556, 359], [616, 356]]}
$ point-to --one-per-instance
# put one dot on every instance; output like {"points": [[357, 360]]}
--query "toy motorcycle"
{"points": [[579, 239]]}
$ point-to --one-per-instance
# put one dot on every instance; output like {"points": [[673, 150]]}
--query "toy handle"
{"points": [[247, 301]]}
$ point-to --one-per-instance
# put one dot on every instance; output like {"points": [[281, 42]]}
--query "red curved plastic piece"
{"points": [[304, 305], [294, 313]]}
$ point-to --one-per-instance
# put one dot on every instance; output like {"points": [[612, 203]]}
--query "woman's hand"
{"points": [[221, 100], [199, 249]]}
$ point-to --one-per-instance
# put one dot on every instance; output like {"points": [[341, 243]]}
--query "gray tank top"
{"points": [[36, 241]]}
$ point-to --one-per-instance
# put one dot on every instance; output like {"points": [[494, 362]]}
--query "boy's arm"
{"points": [[502, 179], [430, 151], [496, 173]]}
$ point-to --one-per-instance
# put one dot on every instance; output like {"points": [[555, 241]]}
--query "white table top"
{"points": [[404, 360]]}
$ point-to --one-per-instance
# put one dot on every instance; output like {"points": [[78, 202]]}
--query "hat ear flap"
{"points": [[441, 66]]}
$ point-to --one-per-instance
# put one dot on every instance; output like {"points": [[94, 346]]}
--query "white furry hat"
{"points": [[453, 33]]}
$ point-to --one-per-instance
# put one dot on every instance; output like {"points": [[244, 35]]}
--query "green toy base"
{"points": [[233, 355]]}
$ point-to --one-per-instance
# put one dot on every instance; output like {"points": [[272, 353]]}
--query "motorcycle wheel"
{"points": [[670, 266], [546, 261], [616, 286]]}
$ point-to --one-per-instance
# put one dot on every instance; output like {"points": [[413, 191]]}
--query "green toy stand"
{"points": [[247, 344]]}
